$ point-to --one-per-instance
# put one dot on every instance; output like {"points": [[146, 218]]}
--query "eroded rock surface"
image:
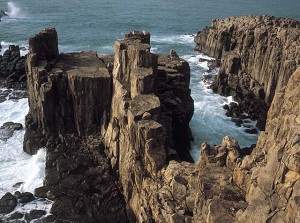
{"points": [[110, 126], [116, 133], [257, 55], [270, 176], [69, 94]]}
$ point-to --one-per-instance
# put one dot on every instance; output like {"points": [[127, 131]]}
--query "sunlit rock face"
{"points": [[257, 55]]}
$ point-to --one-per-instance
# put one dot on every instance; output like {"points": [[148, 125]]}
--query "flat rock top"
{"points": [[144, 103], [83, 64], [258, 21]]}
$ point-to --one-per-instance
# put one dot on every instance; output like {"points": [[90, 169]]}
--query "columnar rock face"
{"points": [[270, 176], [257, 55], [110, 126], [69, 94], [151, 109], [116, 132]]}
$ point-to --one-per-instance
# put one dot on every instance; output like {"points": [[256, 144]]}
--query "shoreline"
{"points": [[130, 140]]}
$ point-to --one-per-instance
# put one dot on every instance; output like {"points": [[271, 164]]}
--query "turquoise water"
{"points": [[96, 25]]}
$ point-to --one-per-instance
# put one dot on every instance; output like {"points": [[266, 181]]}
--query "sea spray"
{"points": [[15, 165], [20, 171], [13, 10], [34, 171]]}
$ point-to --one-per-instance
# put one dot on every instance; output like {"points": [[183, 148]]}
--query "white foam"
{"points": [[195, 58], [229, 100], [38, 204], [154, 49], [34, 171], [22, 44], [13, 111], [178, 39], [14, 11], [15, 165]]}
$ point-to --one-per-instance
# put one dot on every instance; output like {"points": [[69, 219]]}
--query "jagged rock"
{"points": [[7, 203], [116, 154], [270, 174], [258, 54], [141, 112], [12, 68], [70, 97]]}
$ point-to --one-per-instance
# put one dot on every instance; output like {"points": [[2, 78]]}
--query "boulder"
{"points": [[41, 192], [25, 197], [8, 128], [34, 214], [7, 203], [15, 216]]}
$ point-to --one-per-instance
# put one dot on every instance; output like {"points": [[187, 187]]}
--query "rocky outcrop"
{"points": [[270, 176], [227, 186], [69, 94], [145, 131], [12, 68], [110, 126], [116, 133], [256, 54]]}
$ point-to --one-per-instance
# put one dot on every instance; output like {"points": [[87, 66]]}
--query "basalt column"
{"points": [[257, 55], [70, 99]]}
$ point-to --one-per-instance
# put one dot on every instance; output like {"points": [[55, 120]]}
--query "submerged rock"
{"points": [[8, 128], [34, 214], [2, 14]]}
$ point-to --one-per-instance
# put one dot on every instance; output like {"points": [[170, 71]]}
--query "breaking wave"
{"points": [[13, 10]]}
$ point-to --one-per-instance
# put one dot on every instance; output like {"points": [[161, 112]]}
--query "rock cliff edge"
{"points": [[257, 55], [117, 139]]}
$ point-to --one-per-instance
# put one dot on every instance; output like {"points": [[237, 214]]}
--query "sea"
{"points": [[96, 25]]}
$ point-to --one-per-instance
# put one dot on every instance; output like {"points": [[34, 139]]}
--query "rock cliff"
{"points": [[69, 94], [270, 176], [117, 139], [110, 125], [257, 55]]}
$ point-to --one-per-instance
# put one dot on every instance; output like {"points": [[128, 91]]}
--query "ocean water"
{"points": [[96, 25]]}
